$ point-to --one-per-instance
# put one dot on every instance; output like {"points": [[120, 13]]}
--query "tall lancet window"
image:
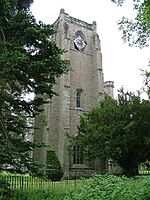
{"points": [[77, 155], [78, 97]]}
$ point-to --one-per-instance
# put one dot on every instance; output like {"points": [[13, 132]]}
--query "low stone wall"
{"points": [[76, 173]]}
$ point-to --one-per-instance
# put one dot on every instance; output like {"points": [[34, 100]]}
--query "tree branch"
{"points": [[4, 38], [6, 134]]}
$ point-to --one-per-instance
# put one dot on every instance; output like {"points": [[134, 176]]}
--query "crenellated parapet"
{"points": [[109, 88], [109, 84], [66, 17]]}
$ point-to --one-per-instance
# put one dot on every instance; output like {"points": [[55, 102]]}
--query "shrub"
{"points": [[53, 167], [112, 187], [5, 192], [40, 194], [96, 188], [144, 188]]}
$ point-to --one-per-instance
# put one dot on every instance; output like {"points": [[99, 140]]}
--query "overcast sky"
{"points": [[121, 63]]}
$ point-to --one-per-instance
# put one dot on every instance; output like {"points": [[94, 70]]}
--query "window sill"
{"points": [[79, 166], [78, 109]]}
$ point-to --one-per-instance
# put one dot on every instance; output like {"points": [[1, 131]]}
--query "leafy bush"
{"points": [[5, 192], [112, 187], [144, 188], [96, 188], [53, 167], [40, 194], [4, 184]]}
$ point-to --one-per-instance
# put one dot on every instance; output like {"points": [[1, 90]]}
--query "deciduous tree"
{"points": [[136, 31]]}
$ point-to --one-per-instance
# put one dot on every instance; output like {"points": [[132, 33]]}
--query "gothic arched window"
{"points": [[77, 155], [78, 97]]}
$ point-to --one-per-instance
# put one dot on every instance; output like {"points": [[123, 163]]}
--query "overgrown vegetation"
{"points": [[96, 188], [114, 188], [5, 191]]}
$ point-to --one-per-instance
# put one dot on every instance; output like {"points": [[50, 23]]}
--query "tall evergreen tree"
{"points": [[30, 62], [118, 130]]}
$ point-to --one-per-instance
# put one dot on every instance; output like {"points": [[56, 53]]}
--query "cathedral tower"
{"points": [[79, 91]]}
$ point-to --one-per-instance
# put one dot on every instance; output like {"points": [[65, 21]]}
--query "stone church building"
{"points": [[79, 91]]}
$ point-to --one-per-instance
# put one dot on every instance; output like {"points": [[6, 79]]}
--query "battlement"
{"points": [[108, 88], [68, 18], [109, 84]]}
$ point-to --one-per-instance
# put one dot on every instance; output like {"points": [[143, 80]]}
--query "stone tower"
{"points": [[79, 91]]}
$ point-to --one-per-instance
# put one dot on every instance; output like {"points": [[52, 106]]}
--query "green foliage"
{"points": [[147, 82], [118, 130], [136, 31], [40, 194], [96, 188], [30, 63], [118, 2], [53, 167], [5, 192], [4, 184], [111, 187]]}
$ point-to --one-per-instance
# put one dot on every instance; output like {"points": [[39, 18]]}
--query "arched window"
{"points": [[78, 97], [77, 155]]}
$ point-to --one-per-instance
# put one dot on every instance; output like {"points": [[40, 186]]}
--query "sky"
{"points": [[121, 63]]}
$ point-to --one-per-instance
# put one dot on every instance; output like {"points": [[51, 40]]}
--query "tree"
{"points": [[30, 63], [118, 130], [53, 167], [147, 83], [137, 31]]}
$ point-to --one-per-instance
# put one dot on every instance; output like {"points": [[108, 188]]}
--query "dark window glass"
{"points": [[78, 98], [77, 155]]}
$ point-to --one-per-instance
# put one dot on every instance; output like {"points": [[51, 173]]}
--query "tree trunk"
{"points": [[129, 172]]}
